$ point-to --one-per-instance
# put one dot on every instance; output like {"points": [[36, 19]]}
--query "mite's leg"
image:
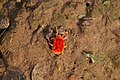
{"points": [[65, 33], [56, 31], [50, 44]]}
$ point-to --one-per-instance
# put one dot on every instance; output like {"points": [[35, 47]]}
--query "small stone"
{"points": [[4, 23], [18, 1], [13, 74], [72, 77], [40, 71]]}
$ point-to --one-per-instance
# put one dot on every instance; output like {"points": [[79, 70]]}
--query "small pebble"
{"points": [[4, 23]]}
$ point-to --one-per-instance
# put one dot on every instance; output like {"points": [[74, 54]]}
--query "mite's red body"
{"points": [[58, 41], [58, 45]]}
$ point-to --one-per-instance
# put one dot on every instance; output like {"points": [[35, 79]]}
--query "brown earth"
{"points": [[26, 53]]}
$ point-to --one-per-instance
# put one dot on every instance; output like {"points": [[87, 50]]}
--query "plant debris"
{"points": [[90, 55]]}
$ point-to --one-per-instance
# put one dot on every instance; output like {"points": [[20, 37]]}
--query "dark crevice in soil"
{"points": [[1, 55], [33, 33], [88, 15], [2, 31], [106, 18], [89, 8], [29, 18], [87, 4], [31, 70]]}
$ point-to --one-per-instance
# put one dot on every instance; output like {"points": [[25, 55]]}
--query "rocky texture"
{"points": [[92, 26]]}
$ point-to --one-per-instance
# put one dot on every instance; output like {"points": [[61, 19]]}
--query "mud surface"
{"points": [[92, 25]]}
